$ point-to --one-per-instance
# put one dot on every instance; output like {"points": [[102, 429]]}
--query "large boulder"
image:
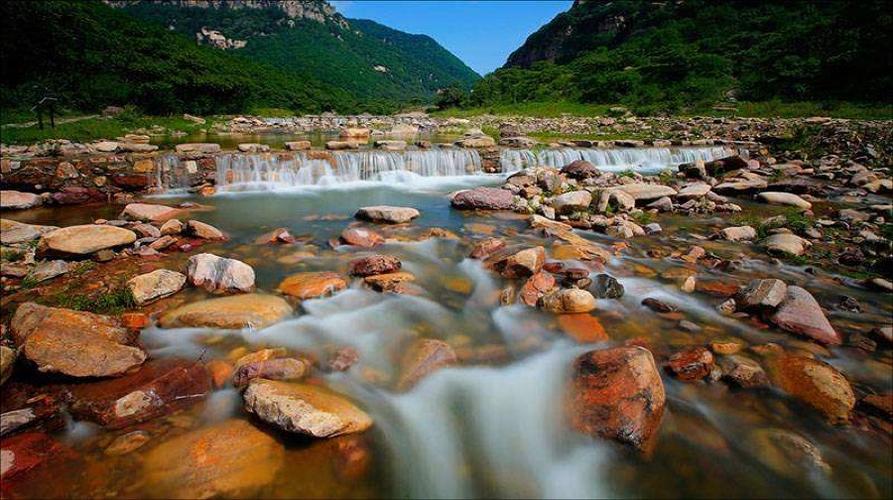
{"points": [[304, 409], [86, 239], [387, 214], [311, 285], [424, 357], [12, 232], [574, 201], [580, 169], [800, 313], [229, 459], [483, 198], [254, 311], [785, 244], [693, 191], [789, 199], [816, 383], [158, 388], [155, 285], [17, 200], [644, 192], [149, 212], [75, 343], [617, 394], [219, 274]]}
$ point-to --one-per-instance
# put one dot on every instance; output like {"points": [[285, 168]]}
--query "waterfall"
{"points": [[252, 172], [617, 159]]}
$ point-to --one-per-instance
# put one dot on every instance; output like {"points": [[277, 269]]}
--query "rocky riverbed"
{"points": [[710, 327]]}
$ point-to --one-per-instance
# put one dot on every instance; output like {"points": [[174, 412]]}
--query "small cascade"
{"points": [[614, 159], [265, 172], [173, 175]]}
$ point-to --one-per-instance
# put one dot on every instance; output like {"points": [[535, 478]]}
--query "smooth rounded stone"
{"points": [[786, 243], [742, 371], [172, 227], [374, 264], [658, 305], [739, 185], [86, 239], [606, 287], [7, 362], [229, 459], [691, 364], [304, 409], [580, 169], [816, 383], [255, 311], [398, 282], [800, 313], [12, 232], [570, 300], [664, 204], [17, 200], [149, 212], [424, 357], [198, 147], [298, 145], [691, 191], [219, 274], [342, 145], [74, 343], [485, 248], [47, 270], [361, 237], [355, 132], [311, 285], [738, 233], [762, 294], [789, 199], [478, 141], [160, 387], [483, 198], [204, 231], [617, 394], [391, 145], [146, 230], [524, 263], [535, 288], [271, 369], [387, 214], [644, 192], [574, 201], [155, 285], [653, 228], [253, 147], [786, 453]]}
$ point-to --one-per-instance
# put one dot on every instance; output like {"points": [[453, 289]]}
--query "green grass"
{"points": [[643, 218], [272, 112], [538, 109], [111, 302]]}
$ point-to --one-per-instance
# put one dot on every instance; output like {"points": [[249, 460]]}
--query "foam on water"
{"points": [[611, 159]]}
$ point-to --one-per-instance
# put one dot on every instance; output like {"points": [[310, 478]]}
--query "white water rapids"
{"points": [[612, 160]]}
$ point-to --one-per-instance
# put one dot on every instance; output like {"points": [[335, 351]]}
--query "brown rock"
{"points": [[483, 198], [583, 328], [398, 282], [271, 369], [423, 358], [535, 287], [691, 364], [571, 300], [801, 314], [251, 310], [204, 231], [485, 248], [374, 264], [361, 237], [817, 383], [312, 285], [525, 263], [85, 239]]}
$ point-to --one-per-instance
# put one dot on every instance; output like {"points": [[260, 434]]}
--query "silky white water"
{"points": [[614, 159]]}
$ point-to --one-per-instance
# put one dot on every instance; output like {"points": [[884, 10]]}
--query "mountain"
{"points": [[313, 41], [683, 53]]}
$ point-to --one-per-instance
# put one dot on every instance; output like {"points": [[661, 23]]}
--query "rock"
{"points": [[228, 459], [150, 213], [424, 357], [762, 295], [17, 200], [658, 305], [738, 233], [47, 270], [298, 145], [485, 248], [312, 285], [255, 311], [271, 369], [878, 404], [691, 364], [252, 147], [483, 198], [218, 274], [7, 362], [525, 263], [197, 148], [387, 214], [789, 199], [391, 145], [786, 243], [653, 228], [580, 169], [722, 165], [74, 343], [398, 282], [343, 358], [12, 232], [693, 191], [664, 204], [740, 186], [571, 300], [146, 231], [23, 452], [743, 372], [355, 132], [606, 287], [204, 231], [158, 388], [342, 145], [617, 394], [155, 285], [815, 382], [522, 142], [374, 265], [361, 237], [645, 192], [786, 453], [535, 288], [128, 443], [574, 201], [583, 328], [304, 409], [481, 141], [801, 314], [172, 227], [624, 229], [86, 239]]}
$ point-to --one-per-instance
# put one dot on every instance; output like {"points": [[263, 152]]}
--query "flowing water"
{"points": [[611, 159], [493, 427]]}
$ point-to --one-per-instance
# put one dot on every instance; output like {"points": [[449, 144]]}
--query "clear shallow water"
{"points": [[493, 427]]}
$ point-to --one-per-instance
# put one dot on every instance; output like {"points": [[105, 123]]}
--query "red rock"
{"points": [[134, 320], [691, 364], [160, 387], [879, 404], [535, 287], [816, 383], [617, 394], [361, 237], [221, 372], [374, 264], [801, 314], [131, 182], [23, 452], [423, 358], [720, 289], [75, 195], [584, 328], [483, 249]]}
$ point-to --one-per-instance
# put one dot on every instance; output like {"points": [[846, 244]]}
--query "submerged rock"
{"points": [[311, 285], [361, 237], [606, 287], [485, 248], [219, 274], [617, 394], [304, 409], [155, 285], [786, 453], [816, 383], [85, 239], [387, 214], [743, 372], [424, 357], [254, 311]]}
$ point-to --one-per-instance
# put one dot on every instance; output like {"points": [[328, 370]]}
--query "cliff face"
{"points": [[316, 10]]}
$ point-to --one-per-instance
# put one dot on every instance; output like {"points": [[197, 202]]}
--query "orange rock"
{"points": [[424, 357], [135, 320], [312, 285], [584, 328], [535, 287], [221, 371]]}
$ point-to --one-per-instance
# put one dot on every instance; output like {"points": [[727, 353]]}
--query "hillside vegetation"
{"points": [[694, 53]]}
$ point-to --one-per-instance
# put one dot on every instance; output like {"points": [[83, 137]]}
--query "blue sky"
{"points": [[480, 32]]}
